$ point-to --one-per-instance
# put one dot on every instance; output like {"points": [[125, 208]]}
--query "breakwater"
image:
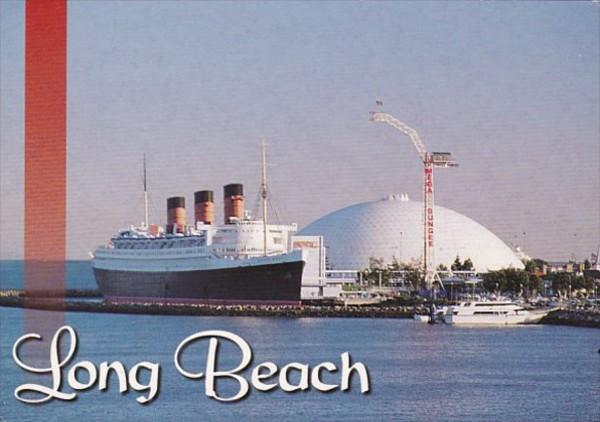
{"points": [[74, 304], [90, 301], [575, 318]]}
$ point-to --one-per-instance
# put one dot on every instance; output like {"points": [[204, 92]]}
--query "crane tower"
{"points": [[430, 160]]}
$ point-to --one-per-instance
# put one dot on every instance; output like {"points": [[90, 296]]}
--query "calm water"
{"points": [[79, 275], [418, 372]]}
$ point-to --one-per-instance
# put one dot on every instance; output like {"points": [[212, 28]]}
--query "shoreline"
{"points": [[281, 311], [73, 303]]}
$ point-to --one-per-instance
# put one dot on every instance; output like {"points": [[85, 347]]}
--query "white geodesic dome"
{"points": [[392, 228]]}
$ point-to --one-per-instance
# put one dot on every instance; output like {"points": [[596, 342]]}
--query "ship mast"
{"points": [[145, 196], [263, 195]]}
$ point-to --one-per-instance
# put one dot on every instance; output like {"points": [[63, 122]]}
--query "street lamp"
{"points": [[400, 247]]}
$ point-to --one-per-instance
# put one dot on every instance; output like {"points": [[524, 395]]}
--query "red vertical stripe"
{"points": [[45, 145]]}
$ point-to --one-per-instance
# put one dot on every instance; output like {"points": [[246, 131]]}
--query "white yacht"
{"points": [[492, 313]]}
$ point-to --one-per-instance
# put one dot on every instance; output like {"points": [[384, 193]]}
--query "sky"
{"points": [[511, 89]]}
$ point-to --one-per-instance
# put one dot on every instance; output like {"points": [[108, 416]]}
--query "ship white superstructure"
{"points": [[206, 246]]}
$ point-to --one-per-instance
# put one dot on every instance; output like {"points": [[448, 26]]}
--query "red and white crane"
{"points": [[430, 160]]}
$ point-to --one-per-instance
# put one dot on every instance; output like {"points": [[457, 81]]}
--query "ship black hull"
{"points": [[261, 284]]}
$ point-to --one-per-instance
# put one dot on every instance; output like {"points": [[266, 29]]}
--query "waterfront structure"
{"points": [[241, 261], [564, 267], [391, 229]]}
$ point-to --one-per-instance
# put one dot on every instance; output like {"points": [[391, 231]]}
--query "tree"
{"points": [[583, 282], [535, 284], [379, 271], [456, 265], [529, 266], [371, 275], [535, 265], [412, 273], [466, 265], [375, 263], [513, 281], [413, 276], [560, 283], [494, 281]]}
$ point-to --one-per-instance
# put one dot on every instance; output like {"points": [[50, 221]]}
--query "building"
{"points": [[392, 228]]}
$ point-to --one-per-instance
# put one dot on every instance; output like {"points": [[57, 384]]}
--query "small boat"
{"points": [[439, 314], [421, 318], [492, 313]]}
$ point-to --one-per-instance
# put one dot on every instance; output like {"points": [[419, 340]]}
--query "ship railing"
{"points": [[195, 252]]}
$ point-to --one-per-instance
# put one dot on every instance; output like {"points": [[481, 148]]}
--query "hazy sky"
{"points": [[512, 89]]}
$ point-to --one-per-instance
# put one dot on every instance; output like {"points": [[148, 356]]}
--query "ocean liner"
{"points": [[243, 261]]}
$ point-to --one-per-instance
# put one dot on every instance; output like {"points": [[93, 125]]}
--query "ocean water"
{"points": [[417, 372], [78, 275]]}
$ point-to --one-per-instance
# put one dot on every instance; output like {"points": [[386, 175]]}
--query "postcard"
{"points": [[299, 211]]}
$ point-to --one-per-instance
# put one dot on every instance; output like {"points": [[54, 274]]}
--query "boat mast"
{"points": [[263, 195], [145, 195]]}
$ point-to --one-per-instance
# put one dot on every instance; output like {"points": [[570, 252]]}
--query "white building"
{"points": [[392, 229]]}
